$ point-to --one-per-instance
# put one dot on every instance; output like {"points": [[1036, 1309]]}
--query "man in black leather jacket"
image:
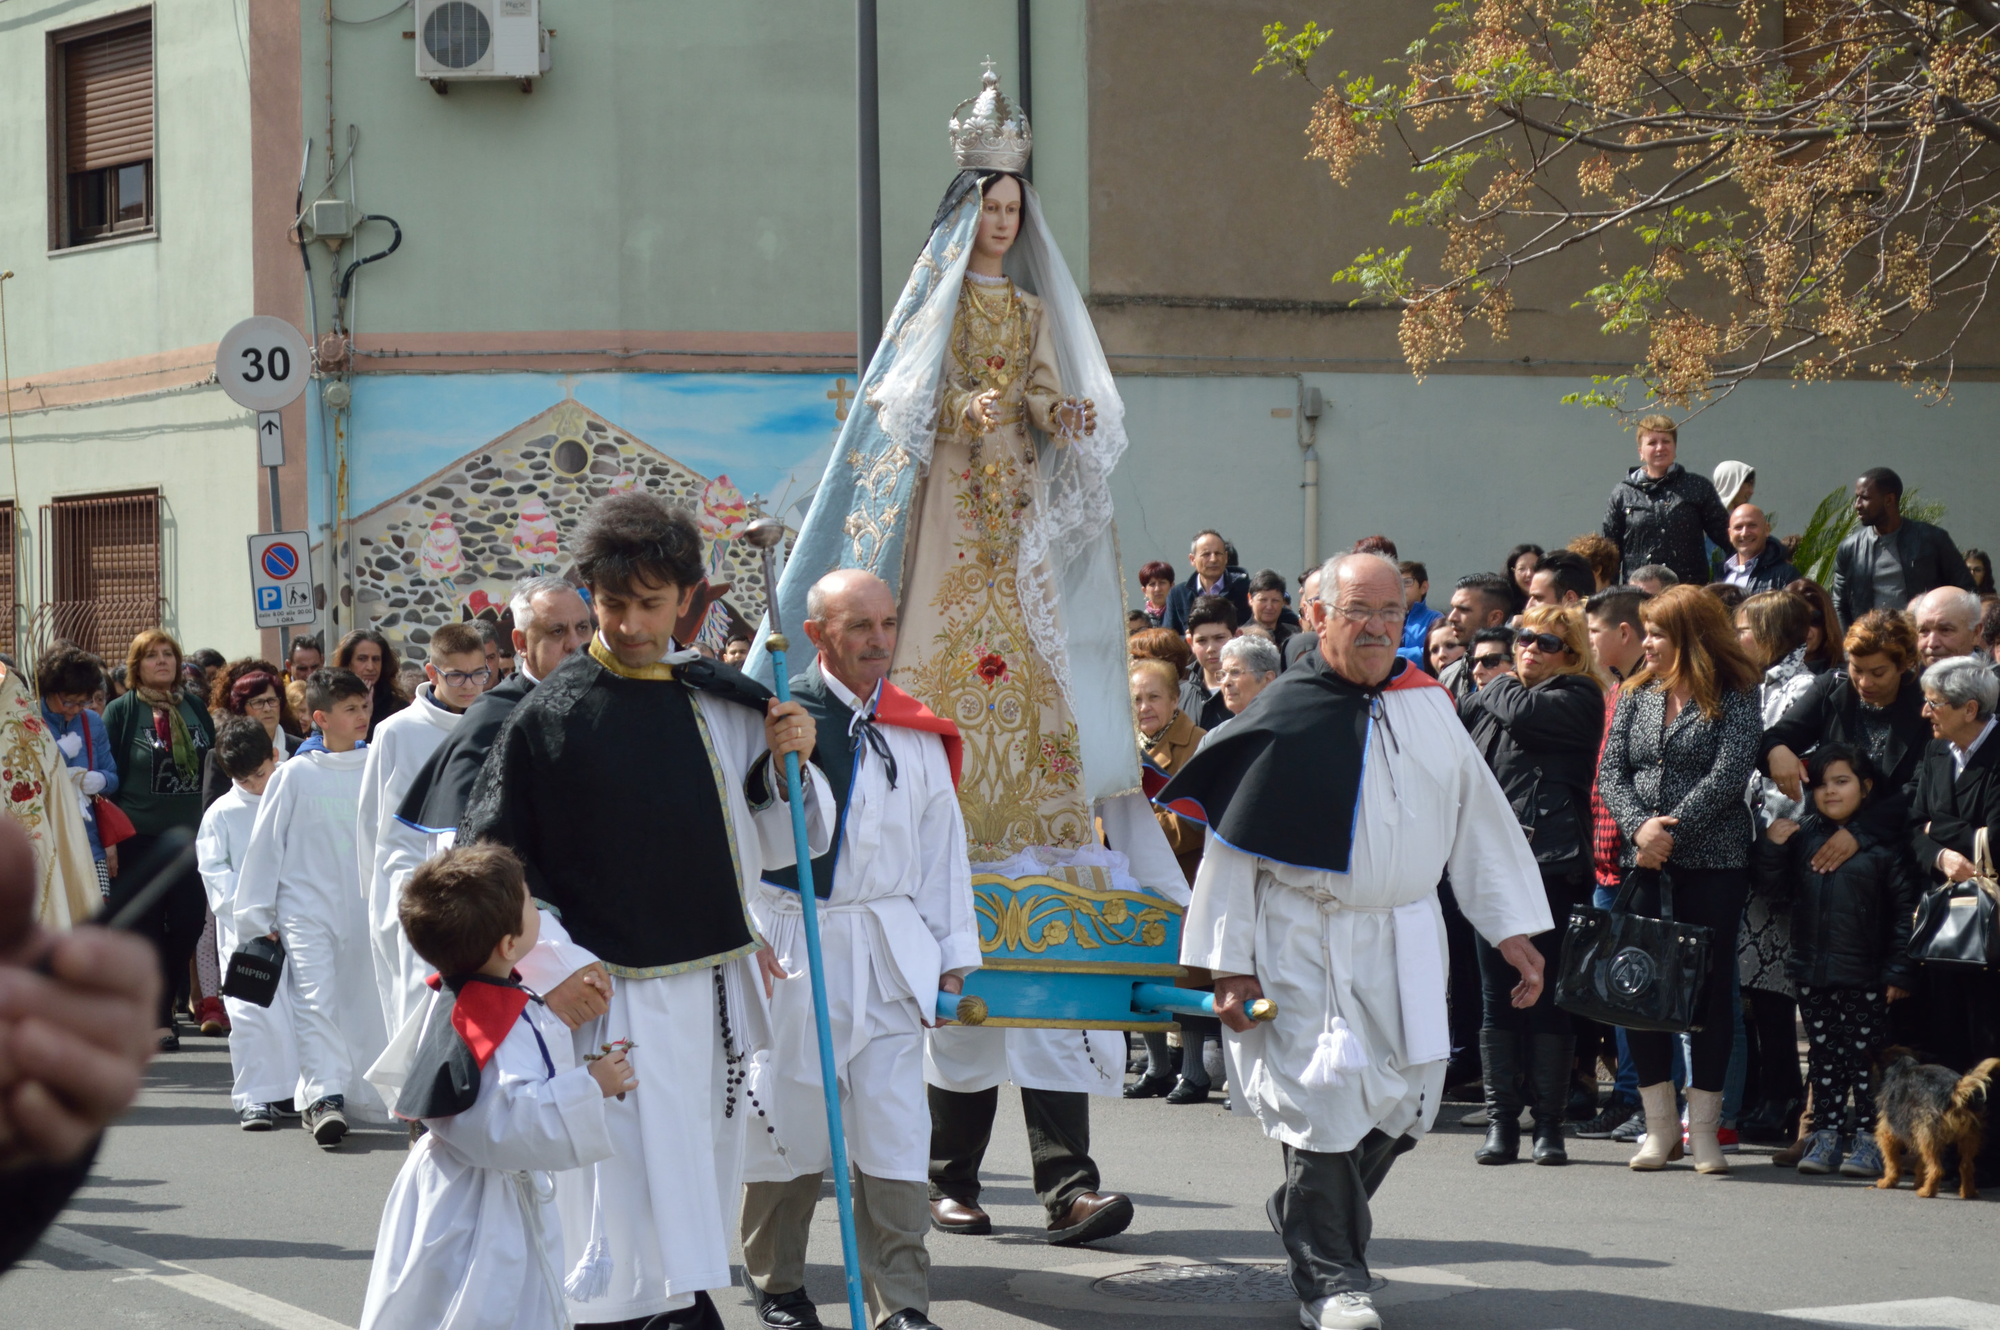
{"points": [[1891, 560]]}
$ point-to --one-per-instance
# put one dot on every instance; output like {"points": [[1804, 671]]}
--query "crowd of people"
{"points": [[1672, 710]]}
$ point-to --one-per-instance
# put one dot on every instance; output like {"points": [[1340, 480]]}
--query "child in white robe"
{"points": [[263, 1049], [470, 1237], [299, 876]]}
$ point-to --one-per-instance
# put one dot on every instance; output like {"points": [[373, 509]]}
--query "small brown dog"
{"points": [[1929, 1107]]}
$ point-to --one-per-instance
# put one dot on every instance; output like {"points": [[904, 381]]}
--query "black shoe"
{"points": [[327, 1121], [908, 1319], [1549, 1148], [1776, 1122], [1550, 1080], [1150, 1087], [701, 1316], [1609, 1119], [170, 1043], [787, 1311], [258, 1117], [1500, 1055], [1184, 1093]]}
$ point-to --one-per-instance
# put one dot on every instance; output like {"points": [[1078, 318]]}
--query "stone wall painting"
{"points": [[452, 545]]}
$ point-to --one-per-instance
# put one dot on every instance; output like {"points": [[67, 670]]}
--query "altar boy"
{"points": [[263, 1050], [299, 876], [470, 1238]]}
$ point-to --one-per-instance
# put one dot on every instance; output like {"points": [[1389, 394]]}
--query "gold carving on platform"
{"points": [[1023, 920]]}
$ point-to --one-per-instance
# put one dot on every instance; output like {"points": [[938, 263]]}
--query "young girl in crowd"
{"points": [[1850, 935]]}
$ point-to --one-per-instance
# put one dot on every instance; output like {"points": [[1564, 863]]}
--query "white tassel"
{"points": [[592, 1276], [1338, 1050]]}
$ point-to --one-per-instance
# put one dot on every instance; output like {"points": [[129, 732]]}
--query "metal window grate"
{"points": [[101, 570]]}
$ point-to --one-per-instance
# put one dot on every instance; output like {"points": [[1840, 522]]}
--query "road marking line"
{"points": [[1915, 1313], [270, 1311]]}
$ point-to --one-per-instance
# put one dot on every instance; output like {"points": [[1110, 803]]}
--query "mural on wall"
{"points": [[448, 543]]}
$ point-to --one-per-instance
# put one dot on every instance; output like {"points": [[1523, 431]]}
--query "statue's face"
{"points": [[999, 218]]}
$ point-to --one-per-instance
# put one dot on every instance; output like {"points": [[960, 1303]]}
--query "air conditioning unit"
{"points": [[480, 39]]}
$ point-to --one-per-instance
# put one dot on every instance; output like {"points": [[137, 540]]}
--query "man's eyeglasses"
{"points": [[1362, 614], [1491, 661], [1546, 643], [460, 678]]}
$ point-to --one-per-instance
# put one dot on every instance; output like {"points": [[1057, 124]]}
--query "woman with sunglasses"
{"points": [[1538, 727]]}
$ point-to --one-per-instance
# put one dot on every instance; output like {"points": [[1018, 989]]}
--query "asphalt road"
{"points": [[188, 1222]]}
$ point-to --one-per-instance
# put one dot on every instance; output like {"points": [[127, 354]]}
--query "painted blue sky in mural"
{"points": [[765, 431]]}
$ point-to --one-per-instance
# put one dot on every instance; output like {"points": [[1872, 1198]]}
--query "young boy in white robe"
{"points": [[388, 850], [470, 1237], [299, 879], [263, 1050]]}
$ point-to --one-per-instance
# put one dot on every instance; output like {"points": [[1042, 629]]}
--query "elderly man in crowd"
{"points": [[1947, 624], [1305, 642], [1759, 562], [1481, 600], [1212, 576], [1337, 804]]}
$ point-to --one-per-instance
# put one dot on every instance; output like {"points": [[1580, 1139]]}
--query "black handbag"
{"points": [[1629, 970], [1959, 923], [254, 970]]}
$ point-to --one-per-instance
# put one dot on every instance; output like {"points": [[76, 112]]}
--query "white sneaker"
{"points": [[1342, 1311]]}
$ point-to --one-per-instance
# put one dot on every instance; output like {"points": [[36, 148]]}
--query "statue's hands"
{"points": [[979, 412], [1076, 416]]}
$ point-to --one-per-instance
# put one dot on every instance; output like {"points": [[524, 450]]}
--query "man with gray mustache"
{"points": [[1337, 802]]}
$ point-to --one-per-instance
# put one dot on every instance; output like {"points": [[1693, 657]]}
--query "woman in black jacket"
{"points": [[1538, 729], [1660, 512], [1874, 705], [1850, 939], [1677, 760]]}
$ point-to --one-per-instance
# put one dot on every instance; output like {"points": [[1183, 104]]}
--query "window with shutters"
{"points": [[101, 122], [101, 570]]}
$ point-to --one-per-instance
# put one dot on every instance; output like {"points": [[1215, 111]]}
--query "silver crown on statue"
{"points": [[988, 132]]}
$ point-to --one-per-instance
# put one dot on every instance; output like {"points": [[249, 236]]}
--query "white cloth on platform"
{"points": [[470, 1238], [899, 916], [669, 1200], [263, 1046], [300, 876], [388, 851], [1367, 946]]}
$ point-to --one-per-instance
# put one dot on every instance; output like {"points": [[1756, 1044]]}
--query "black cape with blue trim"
{"points": [[1283, 779]]}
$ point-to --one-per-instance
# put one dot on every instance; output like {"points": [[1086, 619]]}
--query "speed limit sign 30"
{"points": [[263, 363]]}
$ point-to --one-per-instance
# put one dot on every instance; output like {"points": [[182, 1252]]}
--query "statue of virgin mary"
{"points": [[971, 478]]}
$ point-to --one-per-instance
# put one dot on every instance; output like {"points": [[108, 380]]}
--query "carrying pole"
{"points": [[764, 534]]}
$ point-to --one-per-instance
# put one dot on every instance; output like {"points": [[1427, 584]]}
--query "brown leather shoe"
{"points": [[1091, 1216], [949, 1216]]}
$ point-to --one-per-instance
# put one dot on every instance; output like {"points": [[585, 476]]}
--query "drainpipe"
{"points": [[1024, 81], [868, 184], [1311, 405]]}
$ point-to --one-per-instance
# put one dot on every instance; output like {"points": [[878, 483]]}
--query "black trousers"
{"points": [[1565, 889], [174, 923], [1713, 897], [1774, 1033], [1462, 990], [1058, 1143], [1321, 1213]]}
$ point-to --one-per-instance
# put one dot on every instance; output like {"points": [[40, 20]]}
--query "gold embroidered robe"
{"points": [[964, 648], [41, 796]]}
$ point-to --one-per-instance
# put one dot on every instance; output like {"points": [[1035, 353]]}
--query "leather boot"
{"points": [[1549, 1061], [1704, 1117], [1500, 1057], [1663, 1128]]}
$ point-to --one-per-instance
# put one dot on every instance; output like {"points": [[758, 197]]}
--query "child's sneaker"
{"points": [[214, 1019], [327, 1121], [1823, 1155], [1865, 1162], [1634, 1129], [258, 1117], [1730, 1142]]}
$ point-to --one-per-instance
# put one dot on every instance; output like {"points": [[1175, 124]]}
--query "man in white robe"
{"points": [[1335, 802], [621, 782], [896, 926], [388, 850]]}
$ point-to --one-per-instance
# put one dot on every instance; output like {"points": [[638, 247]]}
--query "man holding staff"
{"points": [[896, 926], [621, 781], [1337, 803]]}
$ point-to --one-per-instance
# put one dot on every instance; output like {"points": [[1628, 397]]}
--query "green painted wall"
{"points": [[684, 165], [191, 281]]}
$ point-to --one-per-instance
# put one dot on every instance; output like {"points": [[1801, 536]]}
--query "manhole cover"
{"points": [[1201, 1283]]}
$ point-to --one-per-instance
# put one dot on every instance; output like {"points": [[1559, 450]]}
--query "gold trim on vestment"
{"points": [[657, 672]]}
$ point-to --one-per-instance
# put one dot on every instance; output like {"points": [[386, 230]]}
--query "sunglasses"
{"points": [[1546, 643], [1490, 661]]}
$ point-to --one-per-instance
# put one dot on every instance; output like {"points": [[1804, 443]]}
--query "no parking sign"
{"points": [[281, 584]]}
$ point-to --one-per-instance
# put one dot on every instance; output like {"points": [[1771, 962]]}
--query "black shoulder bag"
{"points": [[1632, 971], [1958, 924]]}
